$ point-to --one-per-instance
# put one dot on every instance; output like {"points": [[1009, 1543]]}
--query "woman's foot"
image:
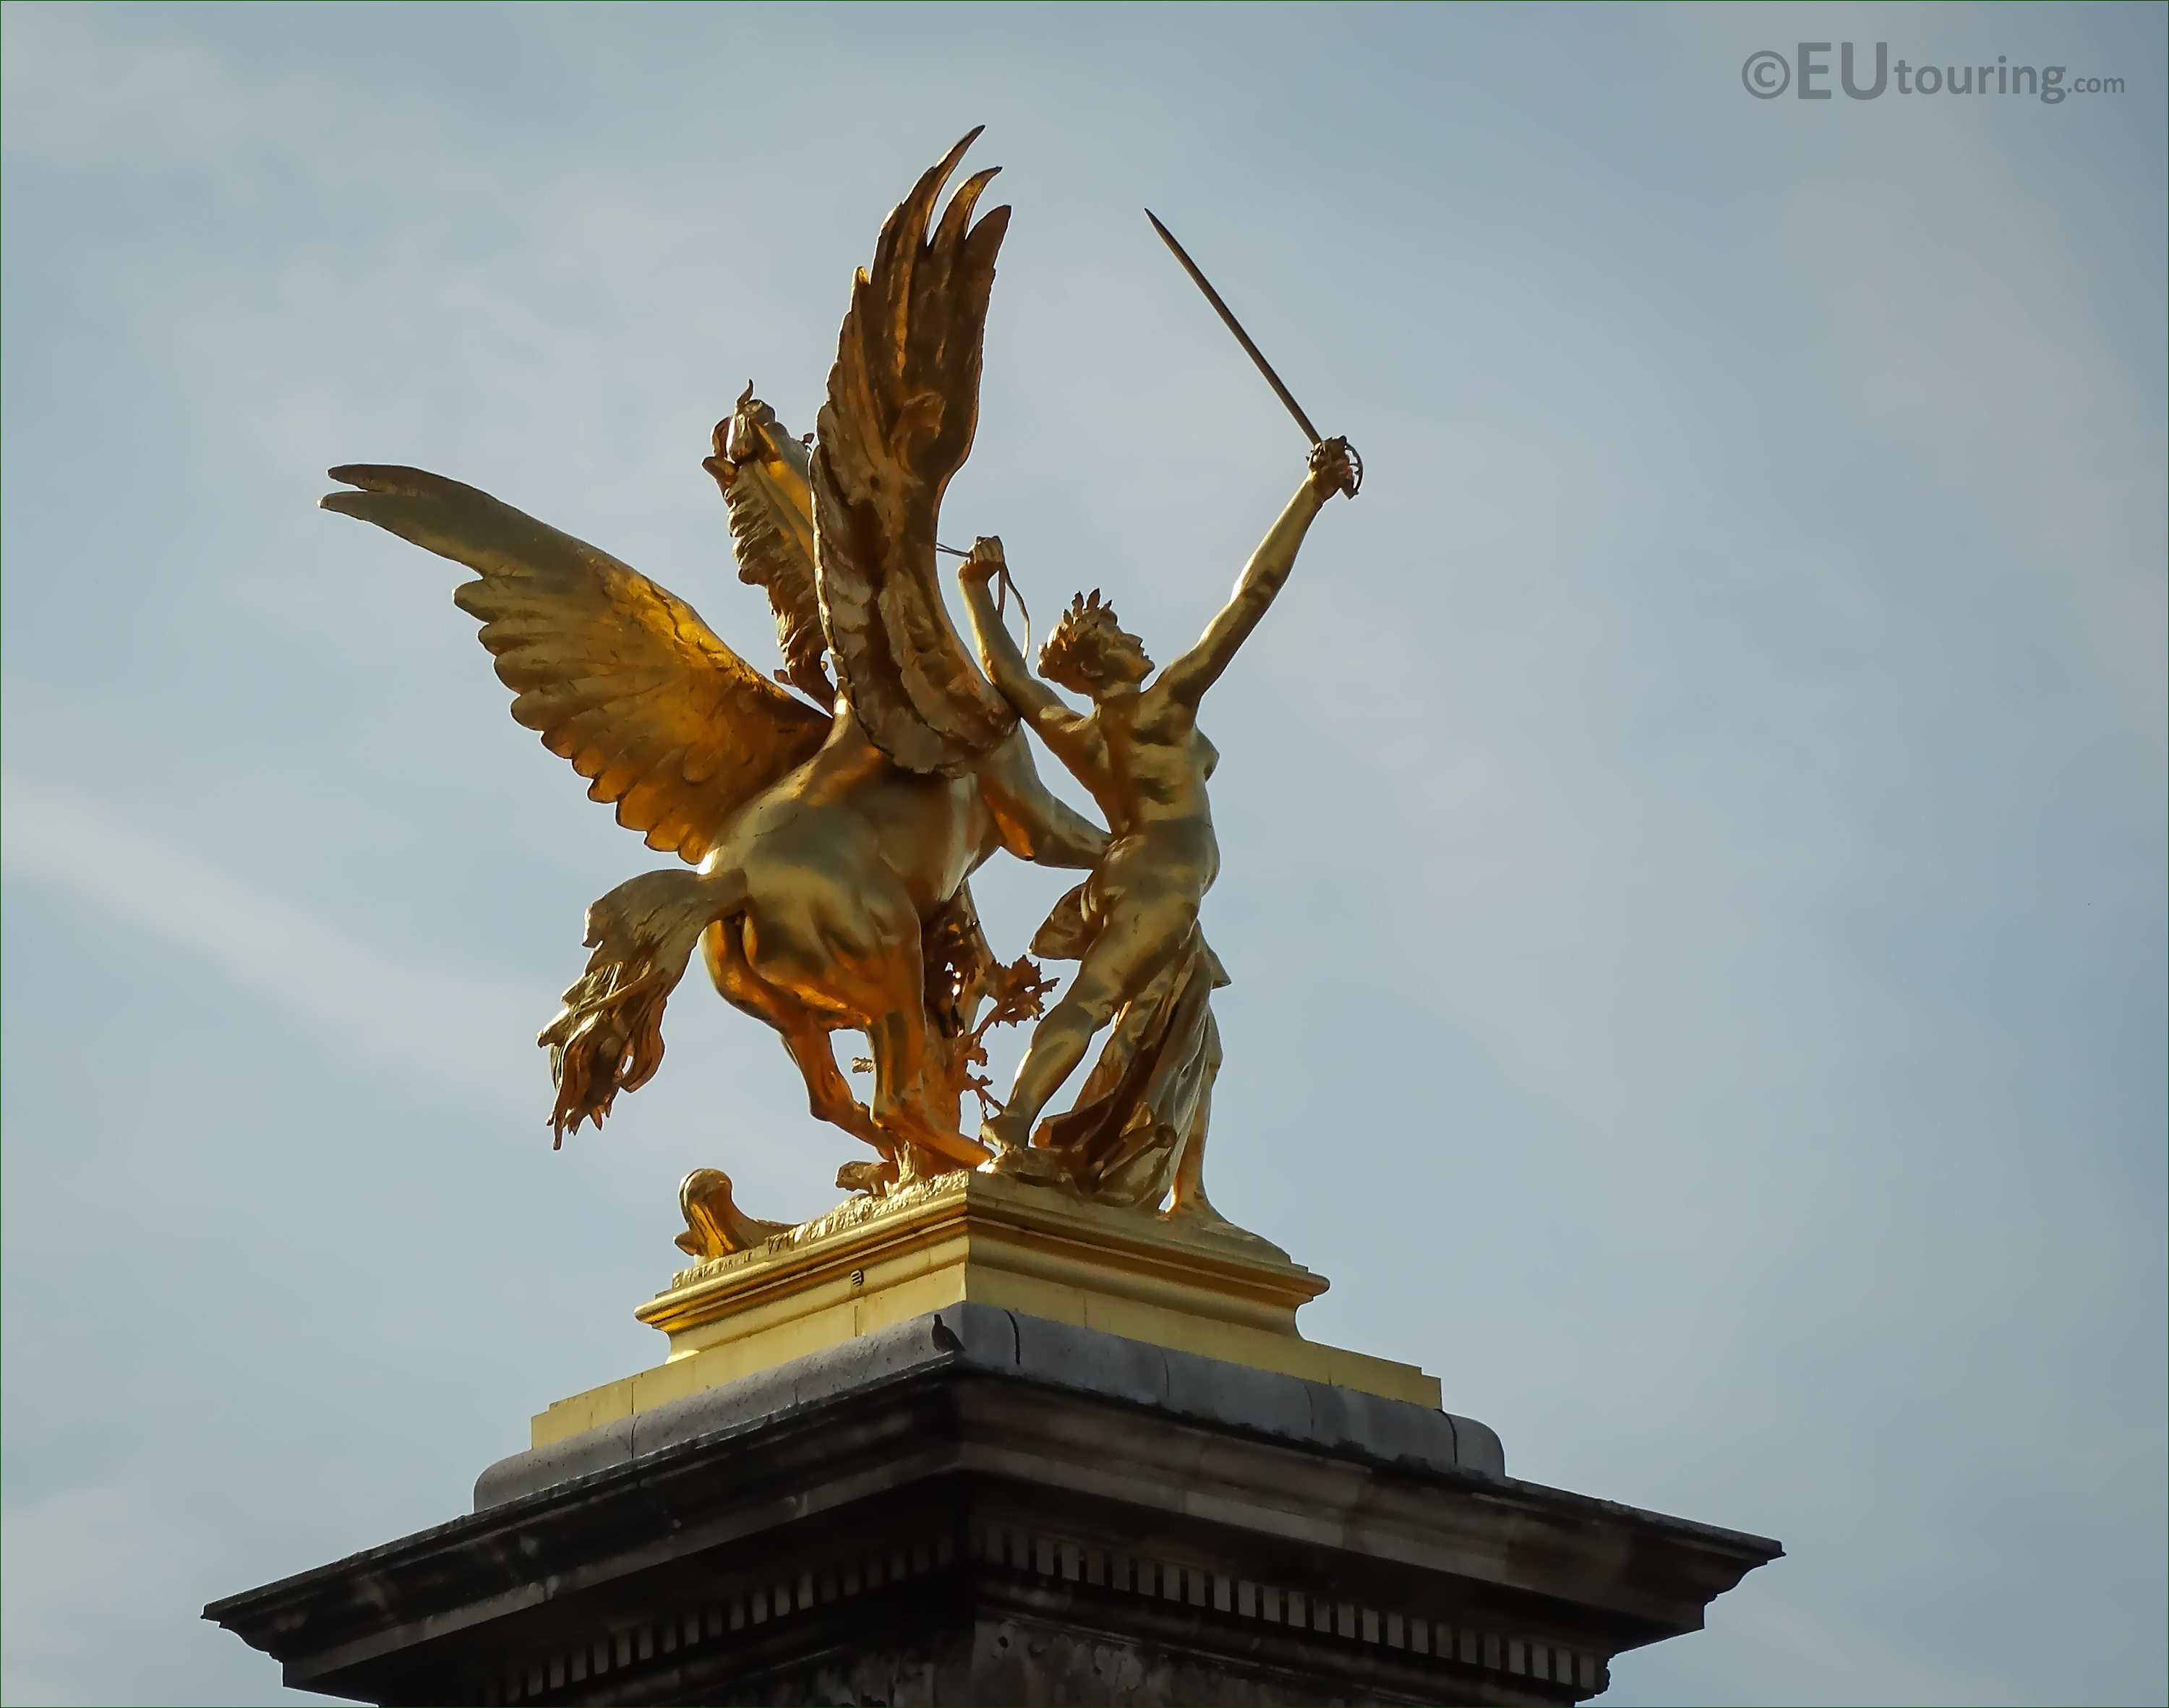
{"points": [[1003, 1131], [1015, 1156]]}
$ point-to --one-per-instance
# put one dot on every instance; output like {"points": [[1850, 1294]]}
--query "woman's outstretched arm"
{"points": [[1263, 578]]}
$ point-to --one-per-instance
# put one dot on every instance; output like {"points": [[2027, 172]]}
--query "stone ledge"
{"points": [[1009, 1342]]}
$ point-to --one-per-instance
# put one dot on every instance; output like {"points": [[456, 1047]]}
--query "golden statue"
{"points": [[828, 833]]}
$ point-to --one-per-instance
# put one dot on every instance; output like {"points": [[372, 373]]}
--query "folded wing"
{"points": [[902, 406], [616, 674]]}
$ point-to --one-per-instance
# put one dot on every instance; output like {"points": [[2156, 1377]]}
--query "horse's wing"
{"points": [[903, 403], [617, 675]]}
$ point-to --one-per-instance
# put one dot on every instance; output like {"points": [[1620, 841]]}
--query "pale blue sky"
{"points": [[1694, 829]]}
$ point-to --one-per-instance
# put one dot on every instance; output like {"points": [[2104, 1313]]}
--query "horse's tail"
{"points": [[608, 1037]]}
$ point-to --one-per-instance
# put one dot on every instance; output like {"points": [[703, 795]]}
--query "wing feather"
{"points": [[903, 406], [616, 674]]}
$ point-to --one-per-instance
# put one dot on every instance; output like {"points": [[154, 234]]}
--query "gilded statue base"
{"points": [[1187, 1285]]}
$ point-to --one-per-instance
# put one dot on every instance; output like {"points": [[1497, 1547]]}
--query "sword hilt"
{"points": [[1355, 462]]}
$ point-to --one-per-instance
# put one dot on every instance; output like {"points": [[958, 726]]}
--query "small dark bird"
{"points": [[946, 1338]]}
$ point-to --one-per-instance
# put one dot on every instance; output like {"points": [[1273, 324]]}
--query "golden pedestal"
{"points": [[992, 1241]]}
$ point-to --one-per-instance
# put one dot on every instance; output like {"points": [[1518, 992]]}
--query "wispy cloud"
{"points": [[1950, 317], [360, 1000]]}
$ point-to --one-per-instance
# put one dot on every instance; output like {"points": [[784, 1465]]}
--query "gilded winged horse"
{"points": [[829, 837]]}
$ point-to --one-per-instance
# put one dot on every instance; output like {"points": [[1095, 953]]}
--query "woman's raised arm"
{"points": [[1037, 703], [1263, 578]]}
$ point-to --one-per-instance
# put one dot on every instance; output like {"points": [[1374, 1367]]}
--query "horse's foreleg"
{"points": [[898, 1037], [899, 1047], [849, 954], [805, 1034], [1030, 822], [828, 1093]]}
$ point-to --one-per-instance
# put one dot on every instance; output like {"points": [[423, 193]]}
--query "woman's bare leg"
{"points": [[1188, 1195]]}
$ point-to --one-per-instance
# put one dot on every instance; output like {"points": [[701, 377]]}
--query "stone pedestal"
{"points": [[978, 1504]]}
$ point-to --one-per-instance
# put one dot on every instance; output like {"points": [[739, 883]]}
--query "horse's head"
{"points": [[763, 473], [752, 433]]}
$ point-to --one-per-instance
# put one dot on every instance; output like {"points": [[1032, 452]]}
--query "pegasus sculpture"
{"points": [[827, 834]]}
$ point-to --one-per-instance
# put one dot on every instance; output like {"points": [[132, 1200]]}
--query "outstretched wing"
{"points": [[903, 403], [763, 473], [616, 674]]}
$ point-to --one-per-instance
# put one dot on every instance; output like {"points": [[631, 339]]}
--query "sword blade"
{"points": [[1235, 327]]}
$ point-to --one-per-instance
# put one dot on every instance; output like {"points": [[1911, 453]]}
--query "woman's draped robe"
{"points": [[1146, 1105]]}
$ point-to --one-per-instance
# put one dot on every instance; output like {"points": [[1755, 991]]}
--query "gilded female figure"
{"points": [[1140, 752]]}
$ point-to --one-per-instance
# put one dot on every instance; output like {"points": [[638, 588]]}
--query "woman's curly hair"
{"points": [[1074, 656]]}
